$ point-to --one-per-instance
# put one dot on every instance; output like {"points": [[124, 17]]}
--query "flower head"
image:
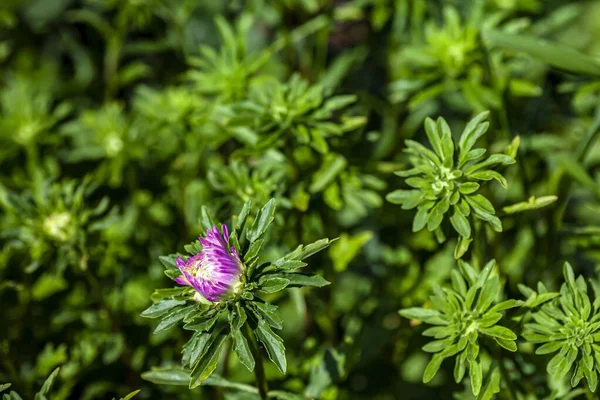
{"points": [[215, 270]]}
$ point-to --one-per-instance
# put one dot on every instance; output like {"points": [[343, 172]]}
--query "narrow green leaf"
{"points": [[507, 344], [161, 307], [273, 344], [332, 166], [269, 313], [432, 368], [488, 293], [462, 245], [550, 347], [208, 362], [237, 318], [300, 280], [167, 376], [242, 349], [554, 54], [532, 203], [130, 395], [492, 386], [478, 202], [47, 385], [195, 348], [399, 196], [204, 324], [468, 187], [476, 376], [437, 214], [262, 221], [303, 252], [499, 332], [460, 223], [170, 261], [241, 219], [485, 273], [161, 294], [489, 319], [272, 284], [205, 219], [489, 175], [447, 142], [419, 313], [474, 129], [437, 345], [347, 248], [253, 251], [172, 319], [420, 219], [434, 136], [459, 368], [290, 265]]}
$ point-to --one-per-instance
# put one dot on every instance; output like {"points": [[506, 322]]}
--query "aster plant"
{"points": [[448, 179], [466, 319], [53, 218], [569, 326], [44, 391], [218, 297], [294, 114]]}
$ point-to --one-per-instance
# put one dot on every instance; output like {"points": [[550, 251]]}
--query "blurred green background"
{"points": [[120, 119]]}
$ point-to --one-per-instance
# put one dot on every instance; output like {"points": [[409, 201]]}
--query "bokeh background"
{"points": [[120, 119]]}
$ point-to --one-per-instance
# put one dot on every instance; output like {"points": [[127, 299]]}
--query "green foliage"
{"points": [[293, 114], [244, 317], [569, 325], [464, 315], [129, 127], [53, 221], [448, 178], [44, 393]]}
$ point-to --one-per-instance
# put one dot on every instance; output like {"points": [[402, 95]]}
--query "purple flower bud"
{"points": [[216, 270]]}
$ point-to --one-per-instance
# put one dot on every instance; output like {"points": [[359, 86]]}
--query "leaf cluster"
{"points": [[244, 318], [464, 317], [448, 179]]}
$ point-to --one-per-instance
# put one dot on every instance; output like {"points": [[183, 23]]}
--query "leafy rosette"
{"points": [[466, 321], [569, 326], [447, 180], [218, 297]]}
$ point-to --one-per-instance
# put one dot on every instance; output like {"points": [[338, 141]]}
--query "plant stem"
{"points": [[259, 371]]}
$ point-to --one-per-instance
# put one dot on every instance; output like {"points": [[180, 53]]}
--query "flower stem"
{"points": [[259, 371]]}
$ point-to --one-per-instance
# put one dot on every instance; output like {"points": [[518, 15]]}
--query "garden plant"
{"points": [[299, 199]]}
